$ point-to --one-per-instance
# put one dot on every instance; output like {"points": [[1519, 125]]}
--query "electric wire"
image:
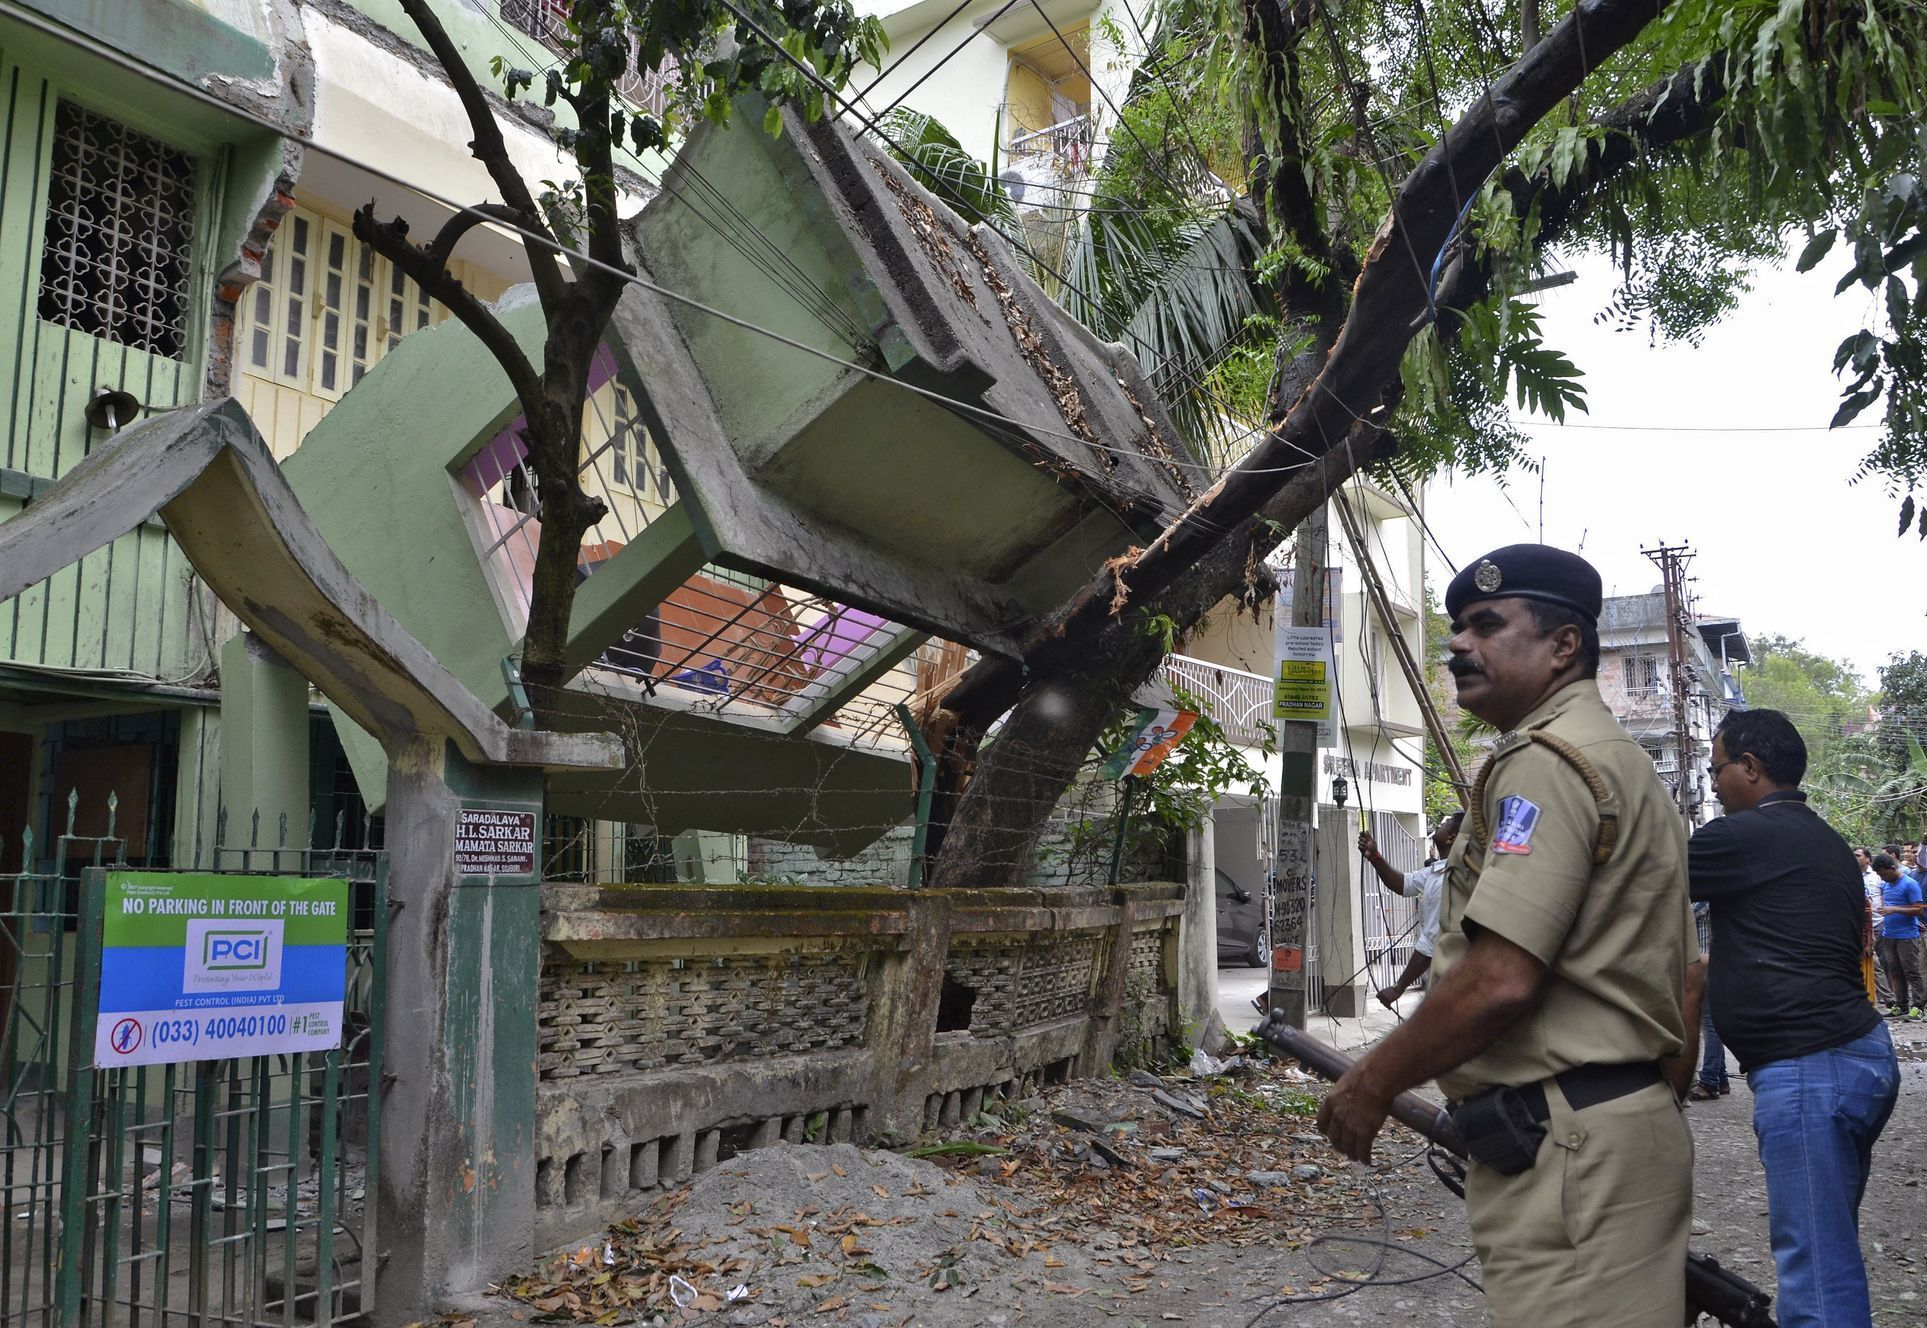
{"points": [[976, 30], [582, 258], [1350, 1283], [808, 294], [897, 63]]}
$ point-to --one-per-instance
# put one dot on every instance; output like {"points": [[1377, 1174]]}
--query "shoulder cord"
{"points": [[1603, 842]]}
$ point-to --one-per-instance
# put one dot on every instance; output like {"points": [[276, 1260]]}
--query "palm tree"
{"points": [[1161, 254]]}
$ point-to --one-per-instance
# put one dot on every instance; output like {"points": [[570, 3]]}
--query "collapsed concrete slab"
{"points": [[952, 449], [871, 426]]}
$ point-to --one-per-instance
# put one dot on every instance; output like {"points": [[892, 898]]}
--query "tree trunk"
{"points": [[1002, 812], [1081, 668]]}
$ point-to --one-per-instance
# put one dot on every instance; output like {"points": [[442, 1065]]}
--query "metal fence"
{"points": [[231, 1191]]}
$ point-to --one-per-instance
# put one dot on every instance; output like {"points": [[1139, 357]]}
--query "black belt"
{"points": [[1589, 1085]]}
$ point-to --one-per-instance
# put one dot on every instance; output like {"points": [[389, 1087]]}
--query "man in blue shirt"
{"points": [[1900, 906]]}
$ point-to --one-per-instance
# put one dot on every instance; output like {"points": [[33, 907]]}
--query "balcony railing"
{"points": [[1240, 702], [548, 22], [1042, 168]]}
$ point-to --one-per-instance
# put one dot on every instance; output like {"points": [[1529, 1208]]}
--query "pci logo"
{"points": [[227, 955]]}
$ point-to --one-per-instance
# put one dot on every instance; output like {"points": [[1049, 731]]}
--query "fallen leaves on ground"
{"points": [[1085, 1188]]}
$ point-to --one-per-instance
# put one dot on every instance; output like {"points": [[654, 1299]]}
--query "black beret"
{"points": [[1527, 571]]}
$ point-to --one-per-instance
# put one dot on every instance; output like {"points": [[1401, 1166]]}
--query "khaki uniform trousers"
{"points": [[1595, 1232]]}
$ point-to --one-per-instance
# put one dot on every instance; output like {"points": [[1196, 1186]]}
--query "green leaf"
{"points": [[1906, 515], [773, 122], [1915, 756], [1896, 303], [1816, 249], [1854, 404], [1862, 349]]}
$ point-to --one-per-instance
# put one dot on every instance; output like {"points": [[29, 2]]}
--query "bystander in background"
{"points": [[1426, 885], [1789, 916]]}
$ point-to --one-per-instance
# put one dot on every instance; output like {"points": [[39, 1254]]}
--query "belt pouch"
{"points": [[1499, 1130]]}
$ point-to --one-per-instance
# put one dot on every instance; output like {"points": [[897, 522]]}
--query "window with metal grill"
{"points": [[118, 254]]}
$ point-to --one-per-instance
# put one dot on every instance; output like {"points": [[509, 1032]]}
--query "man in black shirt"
{"points": [[1788, 911]]}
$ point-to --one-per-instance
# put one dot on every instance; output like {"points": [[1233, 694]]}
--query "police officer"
{"points": [[1560, 1023]]}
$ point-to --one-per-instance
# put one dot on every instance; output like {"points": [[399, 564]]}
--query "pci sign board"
{"points": [[200, 967], [494, 843]]}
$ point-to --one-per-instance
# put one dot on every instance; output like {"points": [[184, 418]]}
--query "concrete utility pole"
{"points": [[1671, 561], [1402, 652], [1298, 793]]}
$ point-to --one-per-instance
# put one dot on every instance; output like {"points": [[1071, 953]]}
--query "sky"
{"points": [[1723, 447]]}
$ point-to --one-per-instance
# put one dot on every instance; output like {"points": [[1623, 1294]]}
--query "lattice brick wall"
{"points": [[1144, 982], [1023, 982], [640, 1015]]}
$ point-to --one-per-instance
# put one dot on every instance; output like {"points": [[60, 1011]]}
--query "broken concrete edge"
{"points": [[862, 178]]}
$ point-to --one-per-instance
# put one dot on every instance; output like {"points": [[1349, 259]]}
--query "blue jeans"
{"points": [[1816, 1118], [1712, 1050]]}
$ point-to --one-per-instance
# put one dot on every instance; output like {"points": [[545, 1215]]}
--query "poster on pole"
{"points": [[199, 967], [1304, 684]]}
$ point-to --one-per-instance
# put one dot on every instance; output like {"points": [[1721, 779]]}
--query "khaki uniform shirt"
{"points": [[1615, 940]]}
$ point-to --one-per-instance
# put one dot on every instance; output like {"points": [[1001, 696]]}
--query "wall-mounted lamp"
{"points": [[1341, 789], [111, 409]]}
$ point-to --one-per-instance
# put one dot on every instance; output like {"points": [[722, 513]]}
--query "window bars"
{"points": [[728, 642], [118, 252]]}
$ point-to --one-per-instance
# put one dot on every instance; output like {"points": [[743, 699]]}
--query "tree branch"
{"points": [[1389, 304], [595, 155], [1039, 749], [390, 240], [442, 248], [490, 149], [1670, 112]]}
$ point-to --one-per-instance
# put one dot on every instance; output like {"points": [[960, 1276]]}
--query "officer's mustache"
{"points": [[1461, 666]]}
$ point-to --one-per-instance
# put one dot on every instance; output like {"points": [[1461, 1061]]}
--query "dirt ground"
{"points": [[1208, 1201]]}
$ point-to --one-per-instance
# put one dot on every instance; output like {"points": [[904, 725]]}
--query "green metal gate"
{"points": [[235, 1192]]}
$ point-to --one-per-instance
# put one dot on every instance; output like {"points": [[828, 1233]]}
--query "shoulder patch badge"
{"points": [[1518, 818]]}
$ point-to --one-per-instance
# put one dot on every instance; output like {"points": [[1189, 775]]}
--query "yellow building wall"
{"points": [[324, 302]]}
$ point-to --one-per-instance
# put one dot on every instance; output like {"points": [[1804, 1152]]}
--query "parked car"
{"points": [[1241, 924]]}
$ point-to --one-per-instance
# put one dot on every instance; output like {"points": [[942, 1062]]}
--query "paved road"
{"points": [[1730, 1223], [1237, 986]]}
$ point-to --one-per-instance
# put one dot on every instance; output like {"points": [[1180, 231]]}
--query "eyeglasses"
{"points": [[1713, 771]]}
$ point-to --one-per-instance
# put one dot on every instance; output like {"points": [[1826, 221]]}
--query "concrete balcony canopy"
{"points": [[967, 516]]}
